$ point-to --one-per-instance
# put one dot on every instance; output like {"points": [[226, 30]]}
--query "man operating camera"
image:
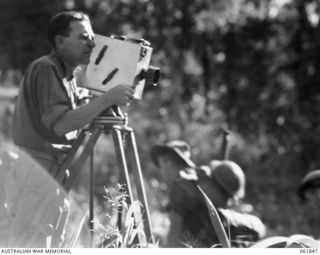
{"points": [[47, 111], [48, 115]]}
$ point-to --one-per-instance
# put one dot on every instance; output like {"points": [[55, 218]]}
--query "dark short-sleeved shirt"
{"points": [[187, 201], [46, 93]]}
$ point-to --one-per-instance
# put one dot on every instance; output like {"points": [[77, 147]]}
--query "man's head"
{"points": [[230, 177], [172, 157], [178, 151], [226, 182], [72, 36]]}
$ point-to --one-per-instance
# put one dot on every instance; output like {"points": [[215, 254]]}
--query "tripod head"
{"points": [[109, 118]]}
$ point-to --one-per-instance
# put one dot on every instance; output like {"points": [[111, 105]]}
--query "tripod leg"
{"points": [[123, 169], [69, 160], [134, 164], [91, 199], [75, 160]]}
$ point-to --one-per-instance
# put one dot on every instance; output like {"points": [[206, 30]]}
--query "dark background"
{"points": [[252, 66]]}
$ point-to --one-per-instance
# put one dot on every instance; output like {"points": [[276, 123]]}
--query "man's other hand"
{"points": [[121, 94]]}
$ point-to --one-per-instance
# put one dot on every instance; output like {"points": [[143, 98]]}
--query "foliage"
{"points": [[294, 241], [131, 233]]}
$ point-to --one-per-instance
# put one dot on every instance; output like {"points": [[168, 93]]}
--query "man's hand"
{"points": [[121, 94], [78, 118]]}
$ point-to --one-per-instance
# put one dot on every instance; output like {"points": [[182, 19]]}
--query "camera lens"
{"points": [[151, 75]]}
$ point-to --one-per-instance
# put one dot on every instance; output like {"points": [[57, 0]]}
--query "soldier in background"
{"points": [[309, 193], [222, 181], [310, 185]]}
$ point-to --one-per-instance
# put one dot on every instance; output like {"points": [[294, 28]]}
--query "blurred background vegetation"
{"points": [[252, 66]]}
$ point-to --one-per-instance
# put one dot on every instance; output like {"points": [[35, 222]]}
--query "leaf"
{"points": [[275, 241], [137, 231], [130, 213], [128, 232], [108, 243], [133, 221], [77, 232], [216, 221], [124, 213], [302, 241]]}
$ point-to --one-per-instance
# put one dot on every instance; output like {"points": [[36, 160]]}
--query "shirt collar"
{"points": [[66, 70]]}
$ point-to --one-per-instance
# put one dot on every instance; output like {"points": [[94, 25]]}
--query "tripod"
{"points": [[127, 157]]}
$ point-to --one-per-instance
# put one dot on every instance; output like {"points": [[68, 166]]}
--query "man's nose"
{"points": [[91, 43]]}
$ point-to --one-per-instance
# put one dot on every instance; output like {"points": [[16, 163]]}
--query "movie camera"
{"points": [[119, 60]]}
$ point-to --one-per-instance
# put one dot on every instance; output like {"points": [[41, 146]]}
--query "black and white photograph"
{"points": [[160, 124]]}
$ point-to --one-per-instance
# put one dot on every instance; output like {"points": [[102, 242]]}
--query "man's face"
{"points": [[168, 168], [76, 48]]}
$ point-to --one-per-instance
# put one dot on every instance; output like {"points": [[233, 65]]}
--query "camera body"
{"points": [[118, 61]]}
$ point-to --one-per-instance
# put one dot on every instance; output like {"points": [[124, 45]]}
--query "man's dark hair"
{"points": [[60, 24]]}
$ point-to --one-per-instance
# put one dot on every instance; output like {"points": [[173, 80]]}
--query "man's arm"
{"points": [[76, 119]]}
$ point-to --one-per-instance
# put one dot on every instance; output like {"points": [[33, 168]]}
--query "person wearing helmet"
{"points": [[310, 186], [309, 194], [224, 184], [229, 177]]}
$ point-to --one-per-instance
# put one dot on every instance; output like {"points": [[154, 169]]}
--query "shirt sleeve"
{"points": [[246, 226], [53, 101]]}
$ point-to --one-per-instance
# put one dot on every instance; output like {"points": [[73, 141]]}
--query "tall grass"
{"points": [[130, 234]]}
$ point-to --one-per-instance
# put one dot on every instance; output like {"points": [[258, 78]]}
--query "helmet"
{"points": [[309, 182], [229, 176]]}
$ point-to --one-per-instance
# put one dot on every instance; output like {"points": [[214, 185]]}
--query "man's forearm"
{"points": [[78, 118]]}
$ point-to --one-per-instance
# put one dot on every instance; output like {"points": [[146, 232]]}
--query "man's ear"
{"points": [[59, 41]]}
